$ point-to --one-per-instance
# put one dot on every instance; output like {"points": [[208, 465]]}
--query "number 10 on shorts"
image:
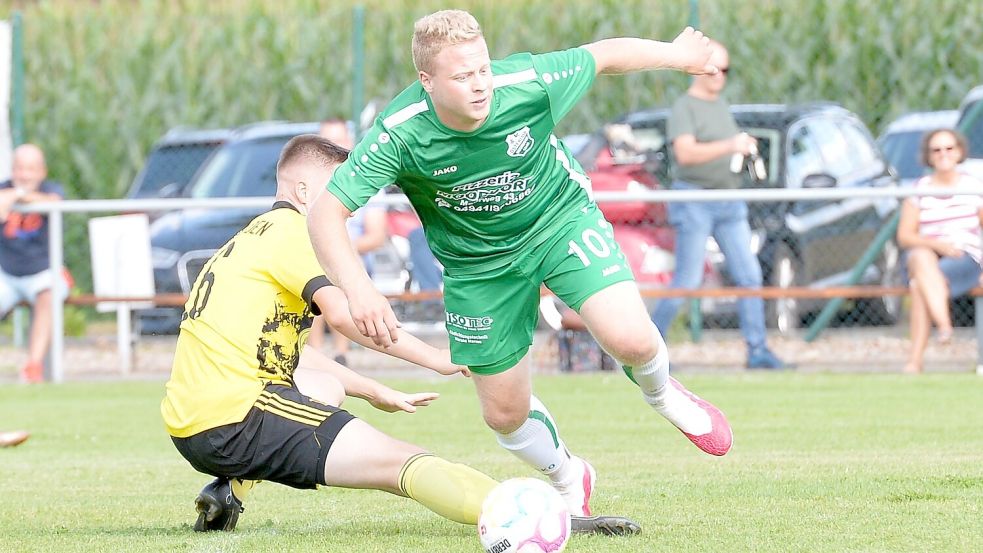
{"points": [[594, 242]]}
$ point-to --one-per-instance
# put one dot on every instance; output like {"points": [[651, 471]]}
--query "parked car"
{"points": [[173, 161], [182, 241], [813, 243], [971, 124], [902, 139]]}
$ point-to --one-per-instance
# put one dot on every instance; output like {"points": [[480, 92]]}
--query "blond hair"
{"points": [[438, 30]]}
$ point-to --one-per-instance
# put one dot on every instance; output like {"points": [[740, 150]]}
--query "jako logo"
{"points": [[470, 323], [445, 170], [500, 546]]}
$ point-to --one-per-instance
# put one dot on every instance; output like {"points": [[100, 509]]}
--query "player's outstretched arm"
{"points": [[334, 307], [379, 395], [689, 52], [371, 312]]}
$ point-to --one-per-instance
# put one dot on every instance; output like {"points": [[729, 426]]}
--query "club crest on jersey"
{"points": [[519, 143]]}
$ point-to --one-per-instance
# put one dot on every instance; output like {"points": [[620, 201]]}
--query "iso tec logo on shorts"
{"points": [[519, 142], [469, 323]]}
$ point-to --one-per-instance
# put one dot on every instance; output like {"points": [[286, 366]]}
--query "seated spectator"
{"points": [[25, 274], [942, 238]]}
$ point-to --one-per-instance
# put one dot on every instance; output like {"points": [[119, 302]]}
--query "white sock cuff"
{"points": [[653, 375], [532, 428], [520, 437]]}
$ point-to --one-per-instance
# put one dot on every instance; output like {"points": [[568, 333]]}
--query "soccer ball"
{"points": [[524, 515]]}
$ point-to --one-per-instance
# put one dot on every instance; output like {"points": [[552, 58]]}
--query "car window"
{"points": [[834, 147], [971, 124], [863, 159], [650, 139], [902, 150], [240, 170], [847, 152], [170, 164], [804, 156]]}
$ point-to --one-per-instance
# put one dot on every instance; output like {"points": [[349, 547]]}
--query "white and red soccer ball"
{"points": [[524, 515]]}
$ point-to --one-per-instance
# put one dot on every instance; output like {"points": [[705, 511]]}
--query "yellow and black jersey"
{"points": [[245, 323]]}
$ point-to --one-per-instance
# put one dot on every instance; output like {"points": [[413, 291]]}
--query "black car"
{"points": [[174, 160], [182, 241], [802, 243]]}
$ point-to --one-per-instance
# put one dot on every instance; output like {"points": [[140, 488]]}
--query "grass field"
{"points": [[820, 463]]}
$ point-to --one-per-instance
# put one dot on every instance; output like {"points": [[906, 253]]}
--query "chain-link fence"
{"points": [[821, 244], [121, 122]]}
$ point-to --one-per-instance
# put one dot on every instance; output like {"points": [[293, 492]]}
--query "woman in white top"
{"points": [[942, 238]]}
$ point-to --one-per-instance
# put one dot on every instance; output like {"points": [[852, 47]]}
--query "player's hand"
{"points": [[390, 400], [373, 316], [694, 52], [447, 367]]}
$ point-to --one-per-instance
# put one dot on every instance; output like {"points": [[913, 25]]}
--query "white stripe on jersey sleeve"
{"points": [[582, 180], [509, 79], [405, 114]]}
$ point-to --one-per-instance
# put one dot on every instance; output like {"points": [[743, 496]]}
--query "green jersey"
{"points": [[484, 196]]}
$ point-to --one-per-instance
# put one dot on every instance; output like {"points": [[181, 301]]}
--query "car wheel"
{"points": [[884, 310], [783, 313]]}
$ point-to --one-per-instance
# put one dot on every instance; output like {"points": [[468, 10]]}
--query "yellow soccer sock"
{"points": [[452, 490], [241, 488]]}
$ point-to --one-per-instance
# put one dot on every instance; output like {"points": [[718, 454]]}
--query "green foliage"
{"points": [[821, 462], [106, 79]]}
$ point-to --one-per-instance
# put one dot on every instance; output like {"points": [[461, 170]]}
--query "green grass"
{"points": [[820, 463]]}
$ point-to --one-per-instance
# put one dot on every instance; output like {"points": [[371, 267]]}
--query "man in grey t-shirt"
{"points": [[704, 138]]}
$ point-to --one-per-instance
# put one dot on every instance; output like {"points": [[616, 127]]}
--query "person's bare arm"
{"points": [[370, 311], [689, 52], [689, 151], [36, 196], [8, 197], [909, 237], [379, 395], [334, 307]]}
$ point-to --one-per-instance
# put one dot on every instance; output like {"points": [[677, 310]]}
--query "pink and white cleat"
{"points": [[698, 419], [577, 492]]}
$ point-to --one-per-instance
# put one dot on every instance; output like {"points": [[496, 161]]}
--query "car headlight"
{"points": [[163, 258]]}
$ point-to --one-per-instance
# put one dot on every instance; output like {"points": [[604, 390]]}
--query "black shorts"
{"points": [[285, 438]]}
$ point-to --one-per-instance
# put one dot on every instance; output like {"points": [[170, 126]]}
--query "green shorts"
{"points": [[491, 317]]}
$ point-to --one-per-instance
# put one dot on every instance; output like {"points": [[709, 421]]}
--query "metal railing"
{"points": [[56, 211]]}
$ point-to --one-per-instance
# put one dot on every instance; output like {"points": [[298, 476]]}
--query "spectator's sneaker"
{"points": [[701, 422], [605, 525], [218, 508], [764, 358], [12, 438], [577, 493], [32, 373]]}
